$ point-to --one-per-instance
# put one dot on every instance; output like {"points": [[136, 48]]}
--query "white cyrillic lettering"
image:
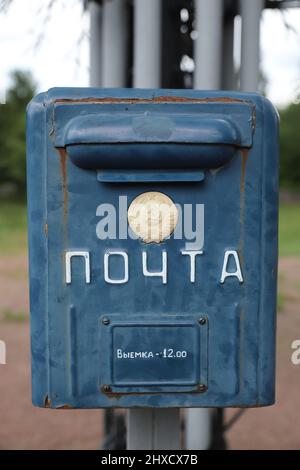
{"points": [[86, 256], [192, 255], [162, 273], [107, 278], [237, 273]]}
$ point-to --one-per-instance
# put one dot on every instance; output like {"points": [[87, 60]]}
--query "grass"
{"points": [[8, 315], [280, 302], [289, 230], [13, 226]]}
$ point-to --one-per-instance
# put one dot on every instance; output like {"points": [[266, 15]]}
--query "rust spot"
{"points": [[155, 99], [64, 176], [241, 348], [64, 407], [118, 395], [47, 402], [46, 229], [244, 155], [63, 166], [253, 117]]}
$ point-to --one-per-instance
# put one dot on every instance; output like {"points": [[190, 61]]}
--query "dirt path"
{"points": [[25, 427], [277, 427]]}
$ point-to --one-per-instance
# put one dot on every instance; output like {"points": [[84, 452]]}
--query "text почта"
{"points": [[163, 273]]}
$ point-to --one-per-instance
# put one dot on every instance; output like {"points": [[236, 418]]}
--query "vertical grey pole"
{"points": [[251, 14], [208, 76], [228, 73], [153, 429], [198, 428], [114, 43], [95, 44], [147, 43], [208, 45]]}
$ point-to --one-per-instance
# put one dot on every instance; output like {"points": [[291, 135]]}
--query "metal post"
{"points": [[114, 43], [208, 75], [228, 74], [150, 429], [147, 43], [171, 75], [208, 45], [198, 428], [251, 14], [153, 429], [95, 11]]}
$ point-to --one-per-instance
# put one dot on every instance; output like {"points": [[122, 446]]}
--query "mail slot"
{"points": [[152, 220]]}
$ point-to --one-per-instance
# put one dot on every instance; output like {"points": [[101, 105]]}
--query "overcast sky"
{"points": [[57, 50]]}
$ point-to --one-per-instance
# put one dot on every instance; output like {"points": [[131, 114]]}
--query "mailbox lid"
{"points": [[152, 131], [241, 213]]}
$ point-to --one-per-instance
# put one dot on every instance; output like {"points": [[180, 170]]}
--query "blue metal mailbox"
{"points": [[153, 248]]}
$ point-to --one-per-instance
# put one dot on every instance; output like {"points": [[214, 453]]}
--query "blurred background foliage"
{"points": [[290, 146], [12, 135]]}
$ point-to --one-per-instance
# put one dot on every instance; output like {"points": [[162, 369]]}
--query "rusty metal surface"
{"points": [[154, 99], [74, 364]]}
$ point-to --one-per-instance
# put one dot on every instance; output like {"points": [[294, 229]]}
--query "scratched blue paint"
{"points": [[89, 146]]}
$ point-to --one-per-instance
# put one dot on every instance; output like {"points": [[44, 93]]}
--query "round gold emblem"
{"points": [[152, 216]]}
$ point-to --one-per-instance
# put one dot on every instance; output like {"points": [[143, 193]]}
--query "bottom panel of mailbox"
{"points": [[165, 361]]}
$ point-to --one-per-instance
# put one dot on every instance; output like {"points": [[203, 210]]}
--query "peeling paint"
{"points": [[118, 395], [155, 99], [66, 406], [63, 166], [253, 117], [244, 156], [47, 402], [62, 193]]}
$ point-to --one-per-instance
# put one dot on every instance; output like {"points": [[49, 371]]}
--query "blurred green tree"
{"points": [[290, 146], [13, 131]]}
